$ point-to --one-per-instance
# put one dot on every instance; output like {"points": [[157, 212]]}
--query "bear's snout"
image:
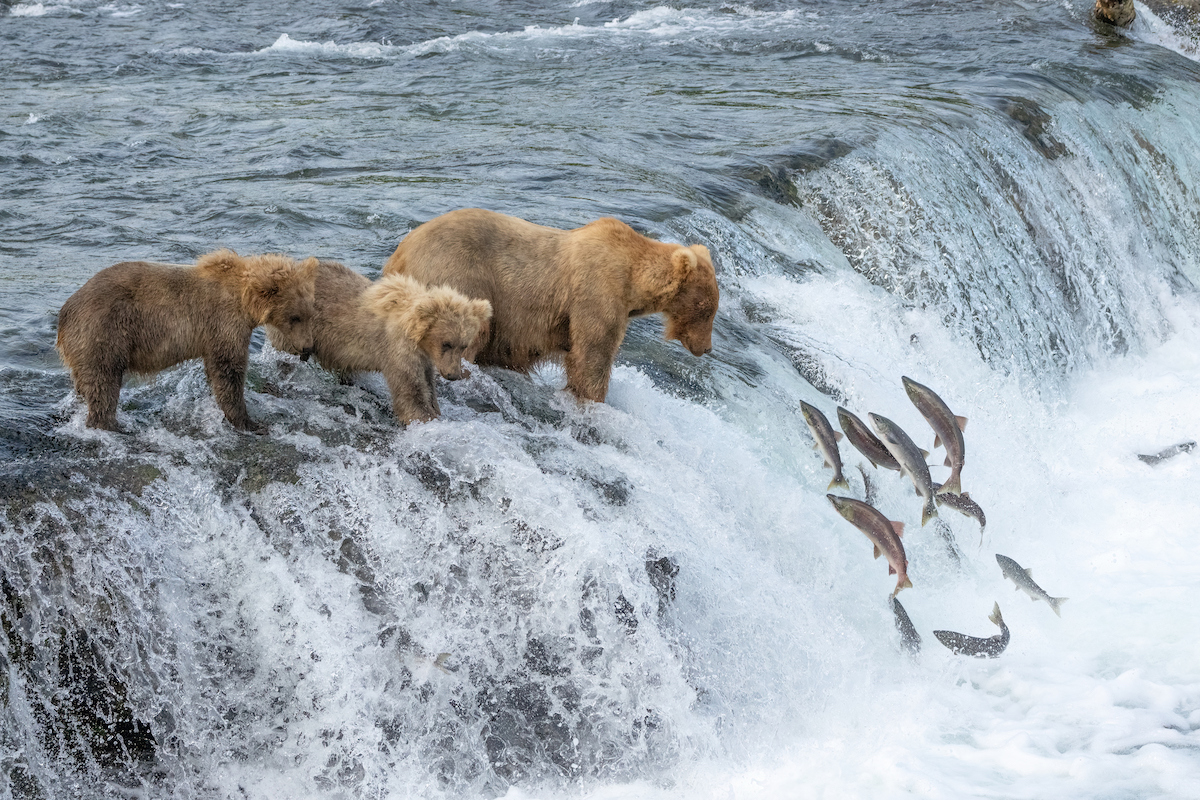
{"points": [[306, 353]]}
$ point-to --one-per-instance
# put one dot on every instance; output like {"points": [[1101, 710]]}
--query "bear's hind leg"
{"points": [[101, 390]]}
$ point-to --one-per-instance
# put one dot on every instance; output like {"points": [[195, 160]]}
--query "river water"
{"points": [[648, 598]]}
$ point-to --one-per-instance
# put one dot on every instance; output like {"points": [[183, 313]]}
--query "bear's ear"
{"points": [[683, 261], [259, 296], [701, 251], [419, 316], [307, 269], [481, 310]]}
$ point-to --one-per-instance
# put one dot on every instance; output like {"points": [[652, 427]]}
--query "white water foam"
{"points": [[1149, 27]]}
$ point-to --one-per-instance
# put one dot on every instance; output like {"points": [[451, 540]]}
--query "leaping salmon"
{"points": [[1023, 578], [865, 442], [908, 632], [882, 532], [977, 646], [947, 429], [911, 459], [827, 439]]}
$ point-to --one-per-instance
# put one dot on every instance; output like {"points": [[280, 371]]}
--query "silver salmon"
{"points": [[911, 459], [1023, 578], [882, 532], [827, 439], [908, 632], [947, 429], [865, 442], [979, 647]]}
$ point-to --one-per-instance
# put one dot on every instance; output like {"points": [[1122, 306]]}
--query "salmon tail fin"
{"points": [[904, 584], [928, 512], [838, 481], [995, 617], [1055, 602], [953, 485]]}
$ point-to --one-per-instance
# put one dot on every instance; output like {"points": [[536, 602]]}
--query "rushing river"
{"points": [[649, 598]]}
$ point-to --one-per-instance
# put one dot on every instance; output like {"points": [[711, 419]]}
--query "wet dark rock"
{"points": [[86, 718], [259, 461], [626, 614], [1033, 122], [662, 572], [445, 485], [811, 368]]}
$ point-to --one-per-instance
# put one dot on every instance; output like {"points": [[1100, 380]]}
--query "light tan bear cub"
{"points": [[142, 316], [396, 326], [563, 294]]}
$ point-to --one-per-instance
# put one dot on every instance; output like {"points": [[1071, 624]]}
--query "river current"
{"points": [[650, 597]]}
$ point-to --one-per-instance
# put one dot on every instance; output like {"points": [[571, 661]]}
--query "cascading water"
{"points": [[649, 597]]}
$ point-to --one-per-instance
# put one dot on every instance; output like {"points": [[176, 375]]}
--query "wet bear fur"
{"points": [[396, 326], [142, 317], [563, 294]]}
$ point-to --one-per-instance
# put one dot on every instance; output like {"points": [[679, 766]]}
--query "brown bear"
{"points": [[1115, 12], [396, 326], [141, 316], [565, 294]]}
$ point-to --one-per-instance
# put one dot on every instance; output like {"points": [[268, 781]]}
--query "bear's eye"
{"points": [[295, 320], [447, 347]]}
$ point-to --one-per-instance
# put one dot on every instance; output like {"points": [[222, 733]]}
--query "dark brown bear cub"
{"points": [[140, 316]]}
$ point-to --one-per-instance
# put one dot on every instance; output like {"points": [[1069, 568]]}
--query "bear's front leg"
{"points": [[411, 381], [226, 373], [589, 362]]}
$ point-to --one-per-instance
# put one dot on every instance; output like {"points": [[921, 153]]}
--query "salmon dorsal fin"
{"points": [[1029, 572], [838, 436], [891, 570], [828, 464], [924, 453], [898, 527], [877, 551], [947, 464], [962, 423], [937, 442]]}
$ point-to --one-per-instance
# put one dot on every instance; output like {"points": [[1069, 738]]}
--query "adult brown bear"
{"points": [[142, 316], [565, 294]]}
